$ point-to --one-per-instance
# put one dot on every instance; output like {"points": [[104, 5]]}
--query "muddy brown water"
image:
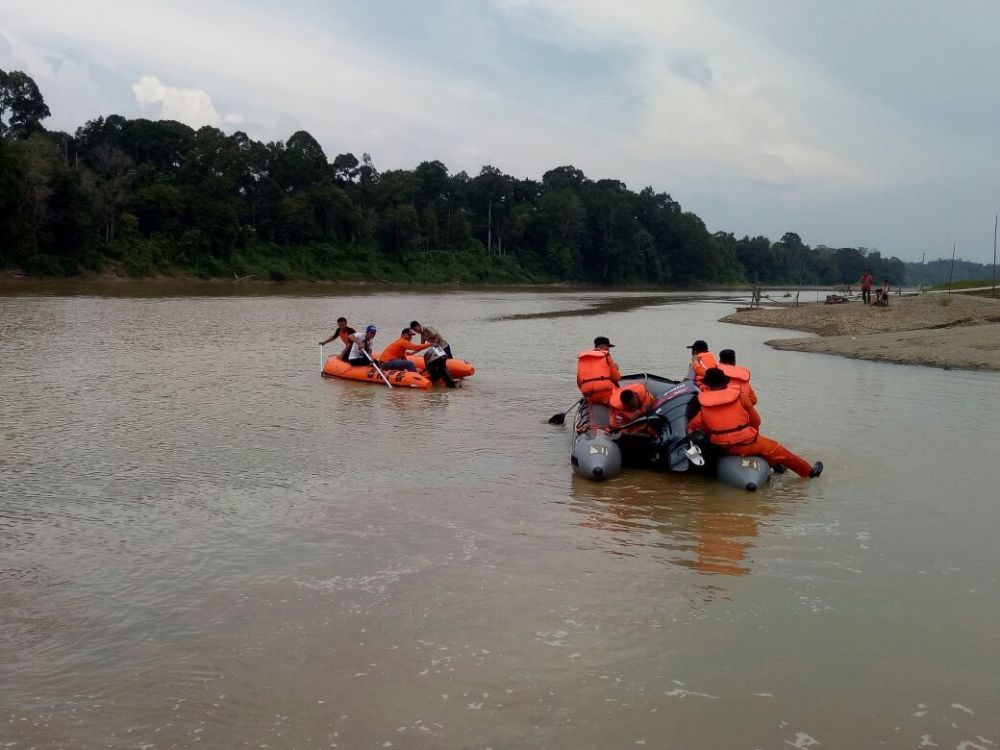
{"points": [[203, 543]]}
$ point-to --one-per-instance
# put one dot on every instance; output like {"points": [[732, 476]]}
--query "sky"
{"points": [[856, 123]]}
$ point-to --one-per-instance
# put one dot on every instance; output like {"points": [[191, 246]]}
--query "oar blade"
{"points": [[557, 419]]}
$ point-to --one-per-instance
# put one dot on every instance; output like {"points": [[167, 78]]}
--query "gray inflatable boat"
{"points": [[599, 450]]}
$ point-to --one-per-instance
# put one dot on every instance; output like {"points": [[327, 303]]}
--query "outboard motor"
{"points": [[675, 406]]}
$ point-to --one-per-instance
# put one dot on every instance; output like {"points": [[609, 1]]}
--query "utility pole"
{"points": [[489, 230], [951, 273], [995, 255]]}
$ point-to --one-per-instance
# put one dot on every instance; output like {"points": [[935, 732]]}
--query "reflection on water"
{"points": [[710, 538]]}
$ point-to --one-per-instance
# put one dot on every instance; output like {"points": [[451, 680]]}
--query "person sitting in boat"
{"points": [[701, 360], [393, 357], [431, 337], [731, 423], [737, 374], [597, 374], [631, 403], [360, 353], [342, 333]]}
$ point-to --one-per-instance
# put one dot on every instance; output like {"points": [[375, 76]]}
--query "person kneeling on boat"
{"points": [[597, 374], [631, 403], [431, 337], [360, 354], [393, 357], [731, 423]]}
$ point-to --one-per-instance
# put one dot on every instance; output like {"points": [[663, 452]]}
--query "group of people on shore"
{"points": [[727, 418], [358, 351], [882, 295]]}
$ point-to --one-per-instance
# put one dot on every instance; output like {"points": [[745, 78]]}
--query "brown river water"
{"points": [[203, 543]]}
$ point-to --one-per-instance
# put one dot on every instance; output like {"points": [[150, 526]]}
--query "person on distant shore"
{"points": [[360, 353], [597, 373], [393, 357], [738, 375], [866, 287], [732, 424], [701, 360], [884, 293], [343, 332], [430, 336]]}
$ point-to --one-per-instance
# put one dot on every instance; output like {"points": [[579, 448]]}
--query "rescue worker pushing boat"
{"points": [[738, 375], [701, 360], [731, 423], [597, 374]]}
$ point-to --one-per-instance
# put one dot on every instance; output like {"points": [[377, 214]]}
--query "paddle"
{"points": [[560, 418], [322, 359], [377, 368]]}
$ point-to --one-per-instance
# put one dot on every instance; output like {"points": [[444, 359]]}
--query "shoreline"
{"points": [[956, 331]]}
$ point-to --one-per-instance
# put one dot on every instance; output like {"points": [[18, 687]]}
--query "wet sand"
{"points": [[937, 330]]}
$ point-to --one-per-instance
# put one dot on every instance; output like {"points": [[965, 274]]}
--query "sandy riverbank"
{"points": [[938, 330]]}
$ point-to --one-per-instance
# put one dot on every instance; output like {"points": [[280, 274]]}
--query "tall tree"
{"points": [[22, 107]]}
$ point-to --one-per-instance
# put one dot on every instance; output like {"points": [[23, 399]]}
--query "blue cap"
{"points": [[371, 328]]}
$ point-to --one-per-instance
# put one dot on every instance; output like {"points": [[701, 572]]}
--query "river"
{"points": [[203, 543]]}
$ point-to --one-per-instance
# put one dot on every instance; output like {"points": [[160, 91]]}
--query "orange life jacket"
{"points": [[724, 417], [344, 333], [701, 362], [595, 371], [645, 399], [740, 376]]}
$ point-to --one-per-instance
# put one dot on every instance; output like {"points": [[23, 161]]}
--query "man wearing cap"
{"points": [[731, 423], [736, 374], [597, 374], [701, 360], [361, 347]]}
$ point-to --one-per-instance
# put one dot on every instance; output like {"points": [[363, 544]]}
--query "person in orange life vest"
{"points": [[731, 422], [597, 374], [701, 360], [866, 287], [631, 403], [342, 333], [738, 375], [393, 357]]}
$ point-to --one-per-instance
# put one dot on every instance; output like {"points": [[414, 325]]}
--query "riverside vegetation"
{"points": [[158, 198]]}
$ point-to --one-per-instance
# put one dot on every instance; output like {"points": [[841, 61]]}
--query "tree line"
{"points": [[149, 198]]}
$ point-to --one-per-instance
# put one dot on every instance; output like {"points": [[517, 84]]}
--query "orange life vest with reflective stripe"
{"points": [[724, 417], [593, 372], [701, 362]]}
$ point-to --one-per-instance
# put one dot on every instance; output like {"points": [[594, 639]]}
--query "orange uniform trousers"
{"points": [[600, 397], [773, 452]]}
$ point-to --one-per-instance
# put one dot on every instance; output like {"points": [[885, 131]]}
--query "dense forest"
{"points": [[147, 198]]}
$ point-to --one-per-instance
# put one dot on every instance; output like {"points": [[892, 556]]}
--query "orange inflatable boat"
{"points": [[334, 367]]}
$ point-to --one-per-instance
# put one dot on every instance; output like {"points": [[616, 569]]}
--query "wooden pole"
{"points": [[951, 273], [995, 254]]}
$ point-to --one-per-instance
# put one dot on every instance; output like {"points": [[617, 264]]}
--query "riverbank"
{"points": [[936, 330]]}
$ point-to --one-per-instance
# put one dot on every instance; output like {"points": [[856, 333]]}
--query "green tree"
{"points": [[22, 107]]}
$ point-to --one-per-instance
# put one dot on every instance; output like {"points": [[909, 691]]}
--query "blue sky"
{"points": [[872, 124]]}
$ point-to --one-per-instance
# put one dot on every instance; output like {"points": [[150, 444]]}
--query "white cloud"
{"points": [[234, 118], [69, 90], [191, 106]]}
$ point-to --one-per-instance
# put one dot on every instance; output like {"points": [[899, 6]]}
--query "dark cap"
{"points": [[698, 346], [715, 378], [602, 340], [727, 357]]}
